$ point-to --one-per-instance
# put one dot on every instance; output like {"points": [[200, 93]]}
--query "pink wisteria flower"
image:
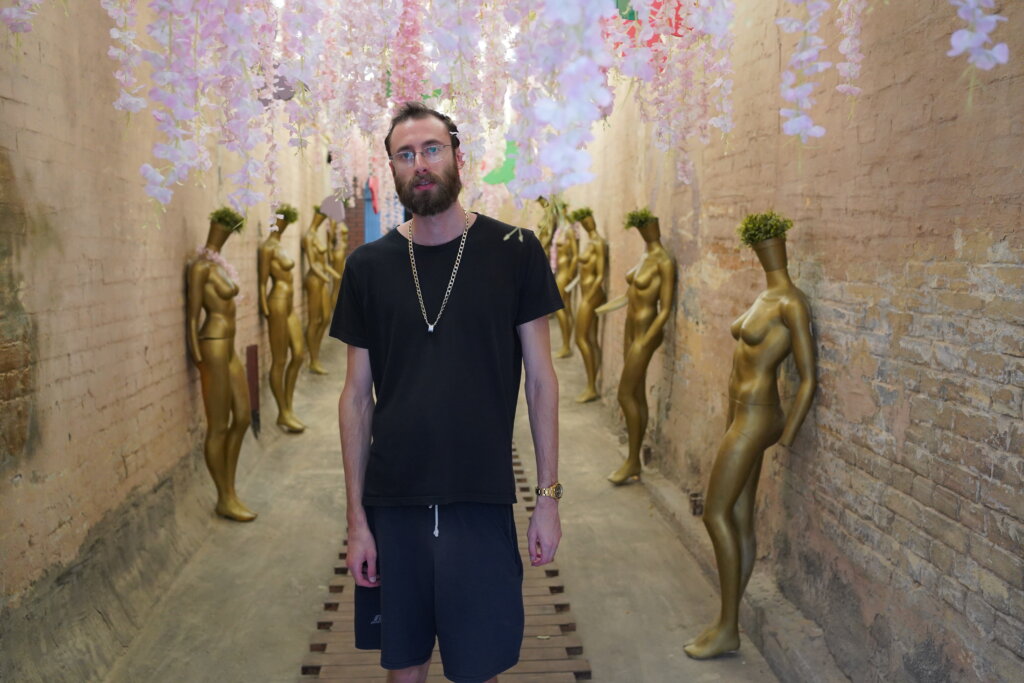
{"points": [[18, 17], [974, 39], [802, 63], [849, 22]]}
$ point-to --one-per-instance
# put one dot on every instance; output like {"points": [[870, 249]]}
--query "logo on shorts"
{"points": [[375, 620]]}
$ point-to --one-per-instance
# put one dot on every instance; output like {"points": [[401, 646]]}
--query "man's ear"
{"points": [[460, 160]]}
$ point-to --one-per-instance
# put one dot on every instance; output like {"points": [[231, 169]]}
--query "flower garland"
{"points": [[849, 24], [126, 51], [803, 63], [176, 98], [18, 18], [974, 39], [557, 100], [408, 68], [208, 254], [216, 66]]}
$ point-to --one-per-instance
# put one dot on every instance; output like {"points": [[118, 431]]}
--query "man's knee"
{"points": [[412, 674]]}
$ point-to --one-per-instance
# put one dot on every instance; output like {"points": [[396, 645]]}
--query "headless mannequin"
{"points": [[776, 324], [225, 389]]}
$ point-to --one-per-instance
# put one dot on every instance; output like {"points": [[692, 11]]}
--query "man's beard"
{"points": [[447, 187]]}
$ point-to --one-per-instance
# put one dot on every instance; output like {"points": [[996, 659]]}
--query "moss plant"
{"points": [[579, 214], [228, 217], [289, 212], [639, 217], [758, 227]]}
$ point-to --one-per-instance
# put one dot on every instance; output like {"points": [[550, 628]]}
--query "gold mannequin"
{"points": [[593, 265], [339, 233], [545, 228], [285, 330], [649, 302], [778, 322], [224, 385], [567, 255], [318, 291]]}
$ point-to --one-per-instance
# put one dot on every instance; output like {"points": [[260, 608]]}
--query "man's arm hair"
{"points": [[355, 415], [541, 397], [545, 530]]}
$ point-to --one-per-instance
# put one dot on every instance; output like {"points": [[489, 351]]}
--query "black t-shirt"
{"points": [[445, 400]]}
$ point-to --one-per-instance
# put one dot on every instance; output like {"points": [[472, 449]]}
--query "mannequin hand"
{"points": [[545, 531], [361, 558]]}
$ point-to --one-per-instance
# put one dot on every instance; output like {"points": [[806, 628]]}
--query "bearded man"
{"points": [[440, 317]]}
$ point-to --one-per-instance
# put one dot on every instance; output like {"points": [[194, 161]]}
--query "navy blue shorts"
{"points": [[462, 586]]}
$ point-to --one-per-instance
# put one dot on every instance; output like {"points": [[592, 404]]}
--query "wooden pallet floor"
{"points": [[551, 653]]}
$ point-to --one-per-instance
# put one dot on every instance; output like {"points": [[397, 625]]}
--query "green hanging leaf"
{"points": [[625, 11]]}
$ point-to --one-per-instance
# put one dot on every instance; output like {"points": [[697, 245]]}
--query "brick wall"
{"points": [[99, 403], [896, 521]]}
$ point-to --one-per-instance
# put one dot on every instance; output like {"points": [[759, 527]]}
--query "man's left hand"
{"points": [[545, 531]]}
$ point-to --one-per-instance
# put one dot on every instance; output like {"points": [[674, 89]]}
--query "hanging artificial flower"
{"points": [[849, 23], [557, 100], [803, 63], [686, 84], [126, 51], [408, 67], [974, 39], [18, 18]]}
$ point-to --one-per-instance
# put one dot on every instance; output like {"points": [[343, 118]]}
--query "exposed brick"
{"points": [[1009, 632], [952, 592], [983, 428], [980, 613], [1007, 566], [963, 483], [941, 556], [1005, 531], [946, 502]]}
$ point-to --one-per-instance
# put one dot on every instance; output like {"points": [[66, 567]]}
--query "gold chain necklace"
{"points": [[451, 281]]}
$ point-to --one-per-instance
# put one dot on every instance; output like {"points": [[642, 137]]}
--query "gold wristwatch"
{"points": [[553, 491]]}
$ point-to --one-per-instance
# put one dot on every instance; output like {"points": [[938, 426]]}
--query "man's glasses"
{"points": [[431, 154]]}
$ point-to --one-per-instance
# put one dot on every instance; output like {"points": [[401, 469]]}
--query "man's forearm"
{"points": [[355, 416], [542, 404]]}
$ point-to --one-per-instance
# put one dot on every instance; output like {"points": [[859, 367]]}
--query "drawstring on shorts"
{"points": [[437, 532]]}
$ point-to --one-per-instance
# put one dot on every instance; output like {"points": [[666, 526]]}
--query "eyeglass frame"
{"points": [[405, 161]]}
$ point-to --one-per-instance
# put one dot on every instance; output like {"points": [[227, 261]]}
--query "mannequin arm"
{"points": [[262, 273], [797, 318], [197, 276], [667, 270]]}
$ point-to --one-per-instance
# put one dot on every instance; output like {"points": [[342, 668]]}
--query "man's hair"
{"points": [[418, 110]]}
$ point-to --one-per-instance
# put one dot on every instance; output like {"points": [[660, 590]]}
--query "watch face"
{"points": [[557, 490]]}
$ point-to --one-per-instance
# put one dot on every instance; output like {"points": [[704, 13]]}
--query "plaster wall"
{"points": [[895, 520], [100, 406]]}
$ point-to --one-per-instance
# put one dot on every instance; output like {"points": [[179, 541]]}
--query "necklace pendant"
{"points": [[430, 328]]}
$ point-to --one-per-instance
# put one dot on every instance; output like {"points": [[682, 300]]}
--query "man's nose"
{"points": [[419, 162]]}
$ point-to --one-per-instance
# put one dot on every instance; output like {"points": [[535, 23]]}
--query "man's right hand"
{"points": [[361, 557]]}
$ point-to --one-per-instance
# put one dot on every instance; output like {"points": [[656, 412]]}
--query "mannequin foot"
{"points": [[317, 369], [291, 424], [627, 472], [587, 396], [715, 641], [234, 509], [564, 352]]}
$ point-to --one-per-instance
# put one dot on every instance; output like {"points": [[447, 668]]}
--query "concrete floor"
{"points": [[246, 605]]}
